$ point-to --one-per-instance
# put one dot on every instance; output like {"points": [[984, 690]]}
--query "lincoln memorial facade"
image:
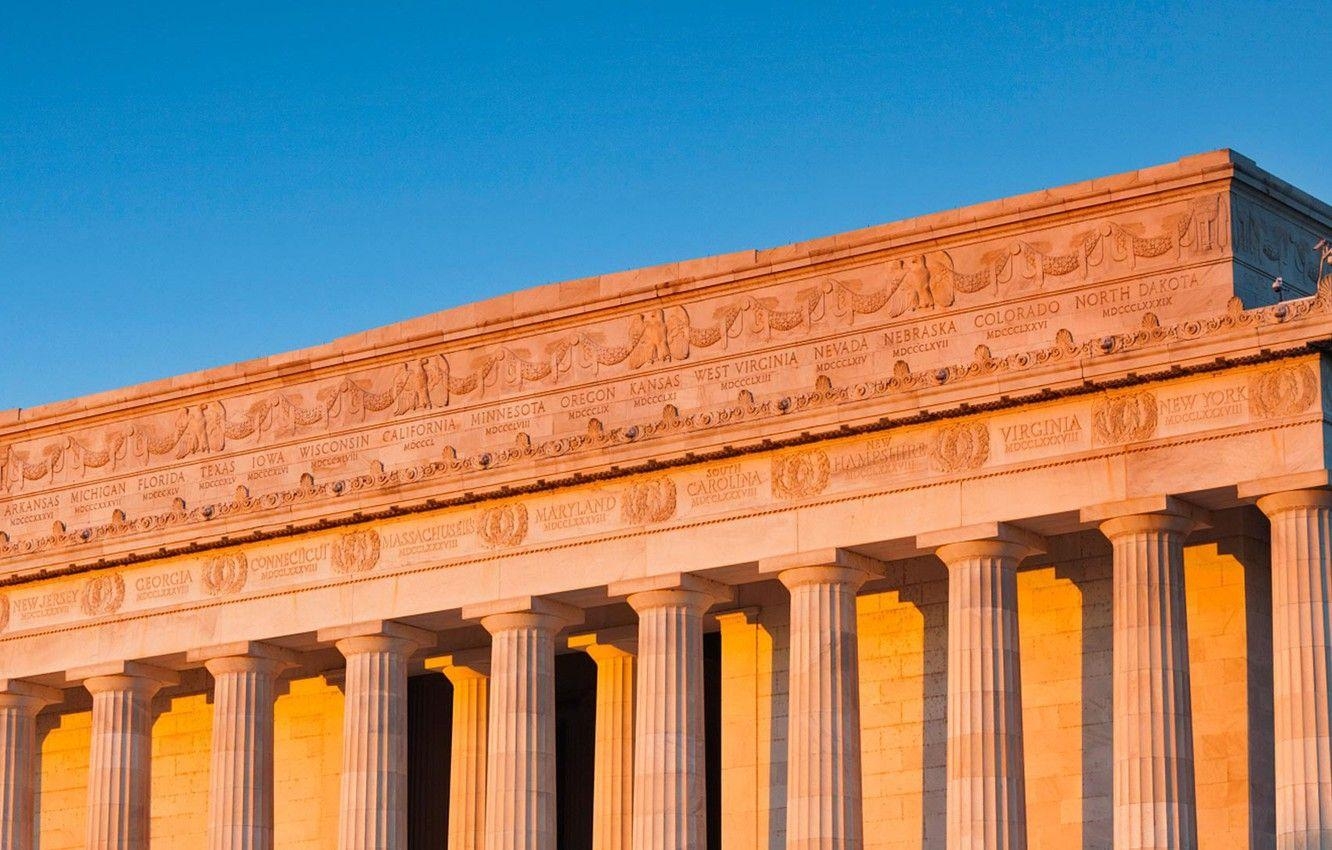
{"points": [[1004, 527]]}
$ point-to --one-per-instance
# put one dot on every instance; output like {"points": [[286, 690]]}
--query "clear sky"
{"points": [[184, 185]]}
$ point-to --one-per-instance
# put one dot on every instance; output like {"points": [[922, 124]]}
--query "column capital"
{"points": [[1286, 492], [376, 636], [830, 557], [1146, 513], [122, 675], [243, 655], [33, 696], [617, 642], [461, 664], [1317, 480], [522, 612], [671, 589], [984, 540]]}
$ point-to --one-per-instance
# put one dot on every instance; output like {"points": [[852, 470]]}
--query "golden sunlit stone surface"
{"points": [[1033, 493]]}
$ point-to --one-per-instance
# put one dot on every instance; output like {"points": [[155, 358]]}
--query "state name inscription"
{"points": [[209, 467]]}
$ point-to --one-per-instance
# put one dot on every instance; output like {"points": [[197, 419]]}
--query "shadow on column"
{"points": [[429, 730], [1091, 572]]}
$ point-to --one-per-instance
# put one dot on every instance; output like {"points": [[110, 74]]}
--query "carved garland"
{"points": [[918, 282], [745, 408]]}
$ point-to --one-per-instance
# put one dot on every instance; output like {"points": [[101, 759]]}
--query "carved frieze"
{"points": [[1125, 418], [650, 500], [1283, 390], [800, 474]]}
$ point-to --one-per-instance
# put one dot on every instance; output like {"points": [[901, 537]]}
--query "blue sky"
{"points": [[187, 185]]}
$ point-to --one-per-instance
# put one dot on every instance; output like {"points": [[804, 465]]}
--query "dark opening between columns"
{"points": [[712, 733], [575, 748], [429, 730]]}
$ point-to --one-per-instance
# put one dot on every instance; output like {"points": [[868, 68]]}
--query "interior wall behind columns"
{"points": [[307, 747], [62, 800], [1065, 640], [182, 744], [754, 660], [1228, 593], [903, 648]]}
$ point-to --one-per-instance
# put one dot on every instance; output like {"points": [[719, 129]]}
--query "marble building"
{"points": [[1004, 527]]}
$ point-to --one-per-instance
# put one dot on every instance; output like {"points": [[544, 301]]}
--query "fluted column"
{"points": [[1302, 665], [823, 773], [373, 813], [1153, 787], [985, 797], [520, 768], [614, 652], [670, 802], [119, 764], [19, 704], [240, 790], [469, 673]]}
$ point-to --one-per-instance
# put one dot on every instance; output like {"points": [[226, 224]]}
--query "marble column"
{"points": [[823, 773], [520, 753], [986, 807], [119, 763], [19, 703], [373, 812], [240, 790], [469, 673], [1153, 785], [1302, 665], [614, 652], [670, 792]]}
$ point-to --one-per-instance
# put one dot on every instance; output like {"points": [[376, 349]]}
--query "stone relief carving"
{"points": [[1124, 418], [1277, 246], [4, 612], [224, 575], [1283, 391], [963, 446], [103, 594], [504, 525], [671, 421], [648, 501], [800, 475], [356, 551], [917, 283]]}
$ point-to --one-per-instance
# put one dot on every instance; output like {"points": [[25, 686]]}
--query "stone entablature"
{"points": [[855, 516], [779, 350], [1105, 445]]}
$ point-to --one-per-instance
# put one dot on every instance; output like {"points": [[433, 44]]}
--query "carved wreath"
{"points": [[1125, 418], [1282, 391], [653, 500], [960, 447], [796, 476], [225, 574], [504, 525], [356, 551], [103, 595]]}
